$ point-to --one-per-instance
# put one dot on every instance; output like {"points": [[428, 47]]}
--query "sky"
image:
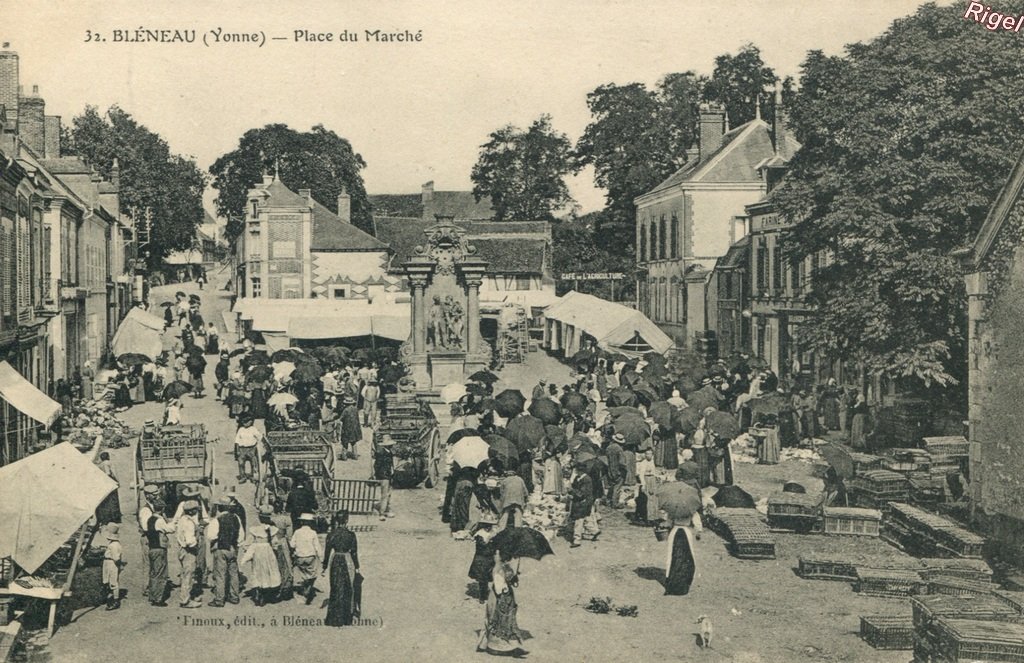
{"points": [[416, 110]]}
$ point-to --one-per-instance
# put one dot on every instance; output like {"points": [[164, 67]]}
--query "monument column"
{"points": [[418, 285], [472, 274]]}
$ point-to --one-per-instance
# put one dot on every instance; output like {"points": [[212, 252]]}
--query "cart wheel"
{"points": [[434, 459]]}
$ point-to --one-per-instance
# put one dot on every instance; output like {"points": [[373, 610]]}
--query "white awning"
{"points": [[25, 397]]}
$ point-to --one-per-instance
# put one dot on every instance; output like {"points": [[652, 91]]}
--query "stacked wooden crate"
{"points": [[792, 512], [849, 520], [748, 536], [874, 489], [888, 631], [928, 534], [930, 610]]}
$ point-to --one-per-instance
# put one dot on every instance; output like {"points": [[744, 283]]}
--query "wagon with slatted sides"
{"points": [[411, 423], [167, 456]]}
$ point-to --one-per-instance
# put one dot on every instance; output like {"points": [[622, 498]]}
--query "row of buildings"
{"points": [[710, 249], [65, 262]]}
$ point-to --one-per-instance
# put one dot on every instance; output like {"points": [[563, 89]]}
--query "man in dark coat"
{"points": [[616, 468], [196, 364], [527, 433], [351, 429], [221, 372], [581, 508], [301, 499]]}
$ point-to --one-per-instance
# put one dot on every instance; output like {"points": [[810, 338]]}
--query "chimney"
{"points": [[345, 206], [32, 122], [307, 195], [427, 193], [712, 128], [783, 148], [51, 130], [268, 179], [115, 173], [9, 83]]}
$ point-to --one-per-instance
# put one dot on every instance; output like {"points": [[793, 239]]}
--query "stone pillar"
{"points": [[419, 317], [472, 270]]}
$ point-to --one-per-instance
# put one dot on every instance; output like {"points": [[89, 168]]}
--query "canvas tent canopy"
{"points": [[23, 396], [614, 327], [44, 499], [325, 327], [139, 332]]}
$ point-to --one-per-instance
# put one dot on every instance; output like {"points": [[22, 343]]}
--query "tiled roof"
{"points": [[514, 254], [736, 160], [332, 234], [736, 256], [398, 205], [282, 196], [460, 204], [66, 165]]}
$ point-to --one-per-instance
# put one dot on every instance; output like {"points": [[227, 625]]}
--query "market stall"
{"points": [[613, 327], [47, 520]]}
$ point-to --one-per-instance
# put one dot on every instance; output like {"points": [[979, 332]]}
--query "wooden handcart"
{"points": [[409, 420], [168, 456]]}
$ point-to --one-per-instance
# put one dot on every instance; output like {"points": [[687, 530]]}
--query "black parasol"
{"points": [[133, 359], [509, 403], [575, 402], [722, 424], [522, 542], [260, 373], [176, 389], [502, 450], [547, 411], [485, 377], [621, 396]]}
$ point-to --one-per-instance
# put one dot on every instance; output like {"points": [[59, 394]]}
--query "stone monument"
{"points": [[444, 279]]}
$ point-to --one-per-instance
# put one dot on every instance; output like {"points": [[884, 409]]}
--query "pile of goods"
{"points": [[961, 628], [924, 533], [96, 419], [748, 535], [873, 489], [545, 514]]}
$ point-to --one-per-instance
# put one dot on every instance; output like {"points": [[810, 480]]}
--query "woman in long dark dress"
{"points": [[501, 634], [122, 394], [258, 400], [681, 565], [342, 558], [465, 479], [482, 566]]}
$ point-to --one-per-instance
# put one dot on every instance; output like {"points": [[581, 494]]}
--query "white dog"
{"points": [[707, 631]]}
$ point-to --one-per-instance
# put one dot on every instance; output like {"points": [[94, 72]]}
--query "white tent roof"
{"points": [[613, 325], [24, 396]]}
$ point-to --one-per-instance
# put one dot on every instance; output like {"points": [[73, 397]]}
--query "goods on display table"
{"points": [[546, 514], [90, 422]]}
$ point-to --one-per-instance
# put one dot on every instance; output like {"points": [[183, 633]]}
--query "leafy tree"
{"points": [[523, 172], [576, 248], [150, 175], [636, 139], [319, 160], [906, 141], [737, 81]]}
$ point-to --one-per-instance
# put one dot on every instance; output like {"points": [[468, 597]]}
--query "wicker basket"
{"points": [[888, 583], [970, 640], [888, 631], [862, 522]]}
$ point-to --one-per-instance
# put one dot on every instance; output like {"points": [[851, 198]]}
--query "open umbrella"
{"points": [[621, 396], [547, 411], [575, 402], [282, 370], [133, 359], [662, 414], [166, 303], [502, 450], [451, 393], [282, 400], [486, 405], [687, 383], [679, 500], [260, 373], [44, 499], [839, 458], [522, 542], [629, 378], [685, 421], [236, 352], [257, 357], [509, 403], [176, 389], [288, 354], [583, 358], [307, 372], [634, 429], [469, 451], [484, 376], [706, 396], [645, 393], [723, 424], [556, 438], [768, 404]]}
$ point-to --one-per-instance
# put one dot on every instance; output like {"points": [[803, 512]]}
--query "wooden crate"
{"points": [[747, 534], [888, 583], [827, 569], [880, 482], [958, 586], [960, 542], [907, 460], [971, 640], [950, 445], [894, 632], [865, 462], [928, 608], [968, 569], [794, 513], [845, 520]]}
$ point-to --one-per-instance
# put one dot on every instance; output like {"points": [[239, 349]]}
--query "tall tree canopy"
{"points": [[636, 139], [171, 186], [738, 81], [523, 172], [319, 160], [906, 141], [576, 248]]}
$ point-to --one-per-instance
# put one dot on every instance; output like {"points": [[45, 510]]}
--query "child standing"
{"points": [[113, 562]]}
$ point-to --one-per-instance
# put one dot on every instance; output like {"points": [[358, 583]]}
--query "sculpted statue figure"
{"points": [[436, 324]]}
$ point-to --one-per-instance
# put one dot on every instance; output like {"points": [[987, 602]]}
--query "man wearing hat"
{"points": [[225, 533], [190, 493], [113, 561], [351, 431], [154, 536], [247, 440], [307, 554], [222, 372], [539, 390], [188, 552], [371, 397], [383, 470]]}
